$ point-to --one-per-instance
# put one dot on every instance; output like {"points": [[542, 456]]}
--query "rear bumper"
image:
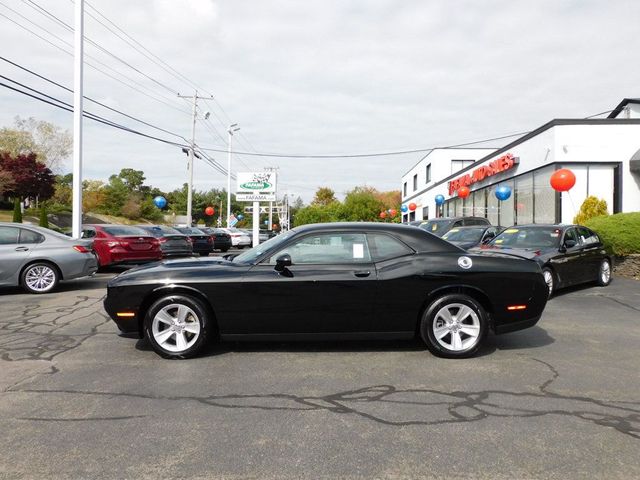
{"points": [[81, 268]]}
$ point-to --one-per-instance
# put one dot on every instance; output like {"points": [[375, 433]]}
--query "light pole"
{"points": [[76, 216], [232, 128]]}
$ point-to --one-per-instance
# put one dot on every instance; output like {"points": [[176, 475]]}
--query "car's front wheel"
{"points": [[177, 326], [604, 273], [40, 277], [453, 326], [549, 280]]}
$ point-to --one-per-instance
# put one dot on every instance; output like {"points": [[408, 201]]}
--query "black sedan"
{"points": [[221, 239], [201, 242], [568, 254], [331, 281], [468, 237], [172, 242]]}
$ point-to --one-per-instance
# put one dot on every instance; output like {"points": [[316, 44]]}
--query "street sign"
{"points": [[264, 209], [256, 197], [232, 220]]}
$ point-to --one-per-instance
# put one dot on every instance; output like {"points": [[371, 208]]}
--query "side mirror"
{"points": [[282, 262], [569, 243], [488, 237]]}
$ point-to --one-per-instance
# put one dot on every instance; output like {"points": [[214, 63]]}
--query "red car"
{"points": [[122, 244]]}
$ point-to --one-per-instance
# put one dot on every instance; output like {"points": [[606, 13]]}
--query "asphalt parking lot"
{"points": [[560, 400]]}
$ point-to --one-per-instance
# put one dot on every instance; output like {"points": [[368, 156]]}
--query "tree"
{"points": [[49, 142], [7, 182], [133, 179], [317, 214], [324, 196], [590, 208], [17, 211], [31, 177], [44, 220], [361, 205]]}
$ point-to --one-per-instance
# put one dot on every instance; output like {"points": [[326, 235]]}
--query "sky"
{"points": [[319, 77]]}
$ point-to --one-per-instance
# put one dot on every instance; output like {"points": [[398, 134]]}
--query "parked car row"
{"points": [[567, 254]]}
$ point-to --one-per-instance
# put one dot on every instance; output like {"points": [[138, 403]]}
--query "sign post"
{"points": [[256, 223]]}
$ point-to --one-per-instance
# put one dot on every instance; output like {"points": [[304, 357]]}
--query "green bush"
{"points": [[17, 211], [44, 221], [590, 208], [620, 233]]}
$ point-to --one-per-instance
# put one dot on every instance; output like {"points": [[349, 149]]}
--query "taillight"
{"points": [[162, 239], [113, 244], [190, 239], [81, 249], [209, 240]]}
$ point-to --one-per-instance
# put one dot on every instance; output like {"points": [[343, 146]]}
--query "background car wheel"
{"points": [[40, 277], [454, 326], [204, 254], [549, 279], [224, 250], [604, 273], [177, 326]]}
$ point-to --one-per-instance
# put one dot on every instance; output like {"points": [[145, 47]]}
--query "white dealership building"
{"points": [[604, 155]]}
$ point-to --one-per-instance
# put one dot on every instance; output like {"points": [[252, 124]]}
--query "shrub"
{"points": [[620, 233], [44, 221], [17, 211], [590, 208]]}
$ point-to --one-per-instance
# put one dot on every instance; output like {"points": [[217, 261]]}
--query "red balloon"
{"points": [[412, 206], [463, 192], [383, 214], [562, 180], [209, 211], [393, 212]]}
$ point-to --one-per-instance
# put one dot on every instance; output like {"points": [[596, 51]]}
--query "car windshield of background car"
{"points": [[250, 256], [120, 231], [528, 237], [464, 235], [435, 225]]}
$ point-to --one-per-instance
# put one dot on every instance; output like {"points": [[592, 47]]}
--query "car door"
{"points": [[329, 288], [568, 262], [591, 253], [12, 254]]}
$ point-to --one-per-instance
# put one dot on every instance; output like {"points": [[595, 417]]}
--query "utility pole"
{"points": [[271, 169], [78, 63], [192, 153], [232, 128]]}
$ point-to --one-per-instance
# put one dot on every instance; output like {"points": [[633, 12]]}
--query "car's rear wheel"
{"points": [[453, 326], [224, 249], [40, 277], [549, 279], [604, 273], [204, 254], [177, 326]]}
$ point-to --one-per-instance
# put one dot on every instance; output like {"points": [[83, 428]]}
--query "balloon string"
{"points": [[572, 204]]}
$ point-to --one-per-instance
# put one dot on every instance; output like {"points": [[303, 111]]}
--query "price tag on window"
{"points": [[358, 250]]}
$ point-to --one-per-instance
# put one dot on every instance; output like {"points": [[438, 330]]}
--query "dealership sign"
{"points": [[499, 165], [256, 187]]}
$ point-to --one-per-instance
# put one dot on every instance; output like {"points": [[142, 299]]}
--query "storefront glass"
{"points": [[506, 206], [544, 196], [479, 203], [524, 199], [493, 205]]}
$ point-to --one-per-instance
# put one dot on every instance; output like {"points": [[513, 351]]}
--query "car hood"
{"points": [[171, 269], [528, 253]]}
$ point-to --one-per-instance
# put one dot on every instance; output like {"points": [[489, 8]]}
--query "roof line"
{"points": [[616, 111], [446, 148]]}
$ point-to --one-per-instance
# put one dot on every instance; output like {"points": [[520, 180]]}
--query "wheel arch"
{"points": [[167, 290], [473, 292]]}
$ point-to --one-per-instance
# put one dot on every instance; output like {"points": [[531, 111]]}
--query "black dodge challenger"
{"points": [[331, 281]]}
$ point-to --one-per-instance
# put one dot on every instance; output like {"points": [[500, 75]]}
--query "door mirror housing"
{"points": [[282, 262], [569, 243]]}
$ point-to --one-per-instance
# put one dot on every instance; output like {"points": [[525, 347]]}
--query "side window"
{"points": [[327, 248], [459, 223], [587, 237], [570, 234], [8, 235], [27, 236], [384, 247], [88, 233]]}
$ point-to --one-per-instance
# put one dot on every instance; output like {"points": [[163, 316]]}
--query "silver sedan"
{"points": [[38, 258]]}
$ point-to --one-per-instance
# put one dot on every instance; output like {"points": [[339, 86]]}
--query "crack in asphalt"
{"points": [[451, 407]]}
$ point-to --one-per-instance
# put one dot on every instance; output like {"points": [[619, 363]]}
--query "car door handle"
{"points": [[22, 249], [362, 273]]}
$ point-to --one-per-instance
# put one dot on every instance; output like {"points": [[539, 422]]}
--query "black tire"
{"points": [[40, 277], [204, 254], [474, 321], [199, 314], [223, 250], [550, 280], [604, 273]]}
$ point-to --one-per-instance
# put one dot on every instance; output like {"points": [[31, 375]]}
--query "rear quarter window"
{"points": [[385, 247]]}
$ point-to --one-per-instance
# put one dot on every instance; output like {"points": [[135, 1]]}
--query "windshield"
{"points": [[528, 237], [437, 227], [191, 231], [123, 231], [464, 235], [161, 230], [270, 245]]}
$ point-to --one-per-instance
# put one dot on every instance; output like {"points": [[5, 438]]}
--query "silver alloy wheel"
{"points": [[548, 278], [176, 327], [605, 272], [456, 327], [40, 278]]}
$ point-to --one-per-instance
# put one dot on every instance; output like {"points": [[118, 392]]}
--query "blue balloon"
{"points": [[160, 201], [503, 192], [439, 199], [404, 208], [240, 217]]}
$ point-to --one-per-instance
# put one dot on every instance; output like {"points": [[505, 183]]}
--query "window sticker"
{"points": [[434, 227], [511, 230], [358, 250], [453, 230], [500, 240]]}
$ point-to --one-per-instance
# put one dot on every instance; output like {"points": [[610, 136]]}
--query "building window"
{"points": [[524, 199], [457, 165], [425, 213], [412, 216], [404, 189], [415, 182], [544, 197], [428, 174]]}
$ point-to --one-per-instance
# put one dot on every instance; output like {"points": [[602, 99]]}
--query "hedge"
{"points": [[620, 233]]}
